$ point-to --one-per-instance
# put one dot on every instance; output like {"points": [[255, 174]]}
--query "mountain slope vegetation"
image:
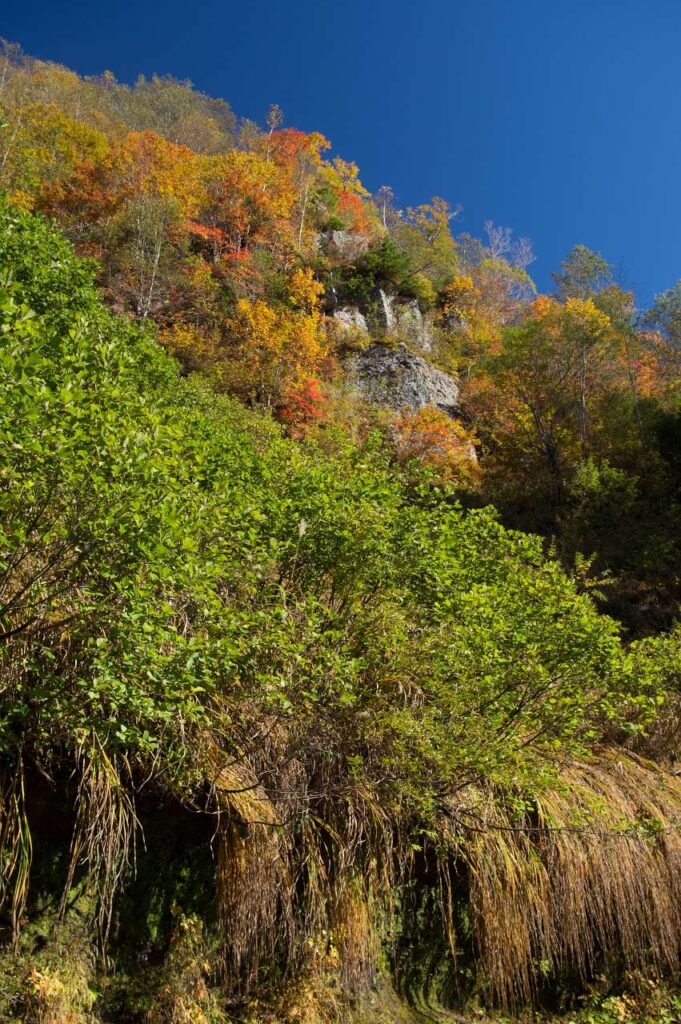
{"points": [[293, 722]]}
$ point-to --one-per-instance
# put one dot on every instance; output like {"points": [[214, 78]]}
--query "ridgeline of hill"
{"points": [[294, 723]]}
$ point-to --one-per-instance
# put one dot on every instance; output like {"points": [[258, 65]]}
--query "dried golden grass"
{"points": [[16, 847], [104, 835], [297, 882], [253, 878], [585, 875], [353, 932], [592, 873]]}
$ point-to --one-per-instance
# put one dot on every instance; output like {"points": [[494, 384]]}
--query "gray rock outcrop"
{"points": [[399, 379], [402, 319], [385, 311], [347, 244], [412, 326], [350, 318]]}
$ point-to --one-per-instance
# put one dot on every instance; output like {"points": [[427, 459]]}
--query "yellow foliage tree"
{"points": [[147, 165], [40, 148], [535, 396], [276, 347]]}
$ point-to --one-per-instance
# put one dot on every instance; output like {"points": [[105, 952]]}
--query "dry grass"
{"points": [[299, 882], [253, 879], [16, 848], [591, 874], [104, 835], [585, 876], [355, 936]]}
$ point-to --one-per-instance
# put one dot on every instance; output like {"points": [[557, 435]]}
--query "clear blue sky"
{"points": [[560, 119]]}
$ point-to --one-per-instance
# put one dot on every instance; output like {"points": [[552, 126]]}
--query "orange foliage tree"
{"points": [[40, 149], [300, 156], [535, 401], [431, 437], [301, 406], [249, 202]]}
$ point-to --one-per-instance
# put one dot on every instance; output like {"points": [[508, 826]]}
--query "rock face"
{"points": [[412, 326], [350, 317], [403, 320], [348, 245], [385, 311], [401, 380]]}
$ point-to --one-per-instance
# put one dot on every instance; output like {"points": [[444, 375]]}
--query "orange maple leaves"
{"points": [[431, 437]]}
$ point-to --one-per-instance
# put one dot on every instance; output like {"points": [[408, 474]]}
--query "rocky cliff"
{"points": [[400, 379]]}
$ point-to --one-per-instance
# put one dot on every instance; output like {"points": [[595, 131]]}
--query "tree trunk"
{"points": [[582, 403]]}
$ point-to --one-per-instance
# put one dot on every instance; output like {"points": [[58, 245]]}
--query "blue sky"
{"points": [[561, 120]]}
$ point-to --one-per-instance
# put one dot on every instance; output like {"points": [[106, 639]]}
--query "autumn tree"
{"points": [[40, 149], [469, 328], [249, 203], [275, 350], [384, 201], [132, 202], [299, 155], [425, 234], [429, 437], [301, 406], [177, 111], [348, 196], [535, 392], [665, 315], [274, 121], [490, 290]]}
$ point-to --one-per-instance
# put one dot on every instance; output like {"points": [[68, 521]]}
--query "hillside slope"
{"points": [[273, 716], [310, 513], [267, 264]]}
